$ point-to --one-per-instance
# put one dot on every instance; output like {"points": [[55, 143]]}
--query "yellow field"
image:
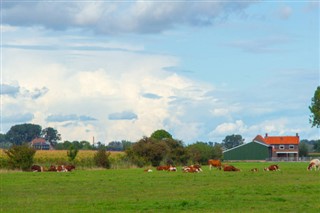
{"points": [[62, 154]]}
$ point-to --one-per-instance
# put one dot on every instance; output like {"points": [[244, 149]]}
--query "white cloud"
{"points": [[118, 17]]}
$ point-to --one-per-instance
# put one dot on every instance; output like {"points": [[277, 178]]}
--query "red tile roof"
{"points": [[38, 140], [281, 140]]}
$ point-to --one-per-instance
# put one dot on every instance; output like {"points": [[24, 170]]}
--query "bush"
{"points": [[72, 153], [20, 157], [101, 158]]}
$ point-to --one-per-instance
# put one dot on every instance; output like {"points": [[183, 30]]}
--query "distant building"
{"points": [[277, 148], [283, 147], [40, 144], [254, 150]]}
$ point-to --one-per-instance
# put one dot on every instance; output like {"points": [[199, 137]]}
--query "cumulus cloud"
{"points": [[118, 17], [125, 115], [9, 90], [151, 96], [70, 117], [17, 118], [263, 45]]}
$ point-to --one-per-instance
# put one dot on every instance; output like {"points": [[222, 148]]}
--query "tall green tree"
{"points": [[303, 149], [231, 141], [147, 151], [316, 146], [201, 152], [161, 134], [72, 153], [315, 109], [51, 135], [22, 133]]}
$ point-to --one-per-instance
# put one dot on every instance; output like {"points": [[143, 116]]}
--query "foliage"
{"points": [[72, 153], [315, 109], [101, 159], [161, 134], [82, 145], [118, 145], [51, 135], [316, 146], [303, 149], [23, 133], [231, 141], [115, 146], [201, 152], [20, 157], [147, 150]]}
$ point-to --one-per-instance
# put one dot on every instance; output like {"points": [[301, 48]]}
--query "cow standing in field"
{"points": [[214, 163], [314, 164], [273, 167]]}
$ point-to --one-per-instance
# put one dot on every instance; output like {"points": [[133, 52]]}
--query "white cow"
{"points": [[314, 164]]}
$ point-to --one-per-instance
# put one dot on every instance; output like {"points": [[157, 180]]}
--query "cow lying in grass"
{"points": [[273, 167], [230, 168], [37, 168], [52, 168], [167, 168], [192, 168]]}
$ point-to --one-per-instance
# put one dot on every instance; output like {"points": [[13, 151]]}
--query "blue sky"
{"points": [[119, 70]]}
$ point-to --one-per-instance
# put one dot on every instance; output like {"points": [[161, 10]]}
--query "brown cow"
{"points": [[36, 168], [169, 168], [163, 168], [69, 168], [192, 168], [273, 167], [52, 168], [230, 169], [61, 168], [214, 163]]}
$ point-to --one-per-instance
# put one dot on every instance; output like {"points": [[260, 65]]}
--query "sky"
{"points": [[120, 70]]}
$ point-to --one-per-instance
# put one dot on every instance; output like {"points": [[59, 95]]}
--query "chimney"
{"points": [[297, 135], [266, 135]]}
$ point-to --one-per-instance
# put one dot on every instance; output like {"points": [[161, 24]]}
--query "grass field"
{"points": [[293, 189]]}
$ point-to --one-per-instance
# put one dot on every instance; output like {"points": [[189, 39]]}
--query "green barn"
{"points": [[250, 151]]}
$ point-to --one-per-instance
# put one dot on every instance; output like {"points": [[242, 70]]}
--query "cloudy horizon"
{"points": [[120, 70]]}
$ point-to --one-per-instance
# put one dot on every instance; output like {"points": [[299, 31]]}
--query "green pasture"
{"points": [[293, 189]]}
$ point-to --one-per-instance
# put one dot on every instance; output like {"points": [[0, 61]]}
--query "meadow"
{"points": [[293, 189]]}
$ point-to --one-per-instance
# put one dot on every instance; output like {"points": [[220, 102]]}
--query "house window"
{"points": [[291, 146], [281, 146]]}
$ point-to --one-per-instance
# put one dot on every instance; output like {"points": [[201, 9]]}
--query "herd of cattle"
{"points": [[52, 168], [314, 164]]}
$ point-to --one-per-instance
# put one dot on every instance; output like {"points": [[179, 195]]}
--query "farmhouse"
{"points": [[40, 144], [283, 147], [277, 148]]}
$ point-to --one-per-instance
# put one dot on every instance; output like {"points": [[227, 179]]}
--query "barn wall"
{"points": [[249, 151]]}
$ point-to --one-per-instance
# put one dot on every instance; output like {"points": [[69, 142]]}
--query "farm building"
{"points": [[279, 148], [40, 144], [254, 150], [283, 147]]}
